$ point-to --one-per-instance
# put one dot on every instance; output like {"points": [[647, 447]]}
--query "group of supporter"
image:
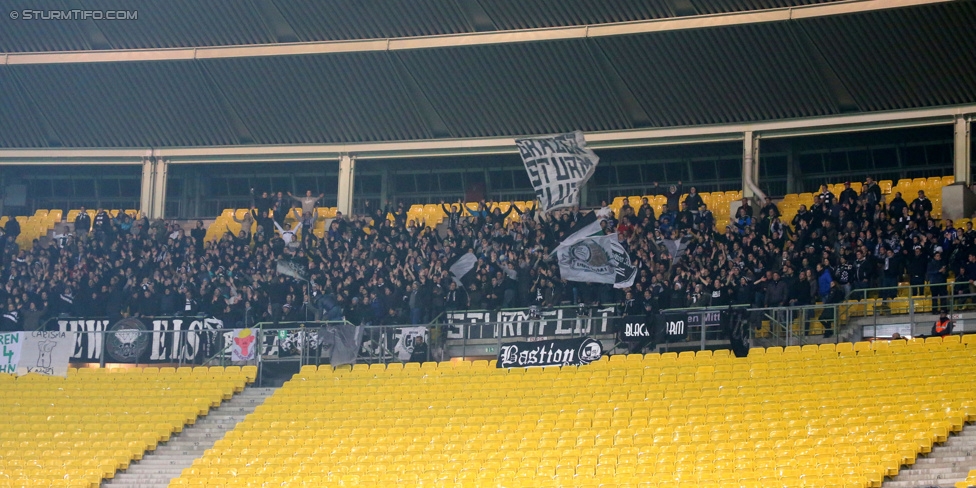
{"points": [[370, 269]]}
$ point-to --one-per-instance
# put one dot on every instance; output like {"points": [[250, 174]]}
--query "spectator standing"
{"points": [[920, 206], [872, 191], [942, 326], [848, 196], [936, 274], [12, 229], [309, 213], [198, 234], [83, 222], [826, 196], [103, 222], [419, 352]]}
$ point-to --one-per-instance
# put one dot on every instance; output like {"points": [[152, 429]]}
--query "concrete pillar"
{"points": [[159, 188], [146, 191], [347, 177], [750, 166], [792, 171], [961, 150], [384, 185]]}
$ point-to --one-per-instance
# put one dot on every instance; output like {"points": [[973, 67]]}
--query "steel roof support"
{"points": [[962, 150], [146, 189], [347, 178]]}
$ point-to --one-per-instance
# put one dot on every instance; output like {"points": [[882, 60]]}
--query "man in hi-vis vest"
{"points": [[943, 326]]}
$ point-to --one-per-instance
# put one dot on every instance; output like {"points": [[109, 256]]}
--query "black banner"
{"points": [[165, 340], [562, 352], [522, 323], [133, 340], [674, 326]]}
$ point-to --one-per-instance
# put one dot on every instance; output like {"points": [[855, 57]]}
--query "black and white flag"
{"points": [[292, 269], [558, 167], [462, 268], [592, 257]]}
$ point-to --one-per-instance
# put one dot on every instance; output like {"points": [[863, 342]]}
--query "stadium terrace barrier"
{"points": [[179, 340]]}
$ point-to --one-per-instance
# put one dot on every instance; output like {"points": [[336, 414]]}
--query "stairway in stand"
{"points": [[170, 458], [943, 467]]}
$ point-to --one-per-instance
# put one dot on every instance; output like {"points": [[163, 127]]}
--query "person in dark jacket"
{"points": [[10, 320], [419, 352], [936, 274], [12, 229], [917, 267], [32, 317], [829, 316], [777, 291], [83, 222]]}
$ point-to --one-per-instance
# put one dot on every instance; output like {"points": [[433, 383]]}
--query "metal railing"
{"points": [[800, 325], [210, 347], [202, 340]]}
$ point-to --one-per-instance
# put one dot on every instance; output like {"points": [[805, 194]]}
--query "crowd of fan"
{"points": [[371, 270]]}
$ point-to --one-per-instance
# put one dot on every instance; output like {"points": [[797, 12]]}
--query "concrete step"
{"points": [[170, 458], [943, 467]]}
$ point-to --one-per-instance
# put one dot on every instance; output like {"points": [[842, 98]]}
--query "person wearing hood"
{"points": [[936, 272]]}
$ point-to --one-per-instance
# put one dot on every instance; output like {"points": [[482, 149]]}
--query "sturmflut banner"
{"points": [[558, 167], [591, 257], [521, 323], [564, 352]]}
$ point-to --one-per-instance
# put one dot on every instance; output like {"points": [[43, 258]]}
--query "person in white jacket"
{"points": [[287, 233]]}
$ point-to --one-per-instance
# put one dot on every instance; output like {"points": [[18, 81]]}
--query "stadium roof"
{"points": [[194, 23], [719, 70]]}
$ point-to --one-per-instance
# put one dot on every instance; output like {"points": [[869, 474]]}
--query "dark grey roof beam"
{"points": [[240, 129], [635, 112], [682, 8], [425, 109], [50, 135], [280, 28], [96, 39], [479, 19], [841, 95]]}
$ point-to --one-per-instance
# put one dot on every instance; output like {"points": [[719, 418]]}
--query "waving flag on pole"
{"points": [[590, 256], [462, 268], [558, 167]]}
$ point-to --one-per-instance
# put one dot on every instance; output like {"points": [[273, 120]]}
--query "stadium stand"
{"points": [[752, 248], [816, 416], [77, 431]]}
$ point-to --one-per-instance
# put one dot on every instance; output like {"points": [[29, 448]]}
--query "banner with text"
{"points": [[11, 343], [637, 330], [562, 352], [523, 323], [46, 352], [673, 326], [558, 167], [133, 340], [168, 340]]}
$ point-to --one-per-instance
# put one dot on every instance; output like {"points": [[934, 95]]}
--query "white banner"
{"points": [[558, 167], [11, 343], [592, 258], [404, 346], [46, 352], [243, 347]]}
